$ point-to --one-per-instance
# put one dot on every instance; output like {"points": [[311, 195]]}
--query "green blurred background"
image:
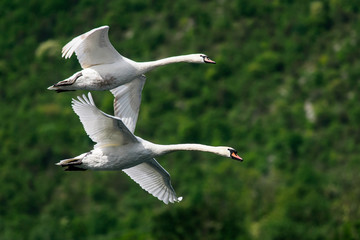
{"points": [[284, 93]]}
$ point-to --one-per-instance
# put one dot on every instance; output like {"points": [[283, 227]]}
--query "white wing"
{"points": [[101, 127], [127, 101], [154, 179], [92, 48]]}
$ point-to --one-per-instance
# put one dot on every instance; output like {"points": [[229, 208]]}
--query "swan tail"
{"points": [[59, 90], [63, 85], [72, 164]]}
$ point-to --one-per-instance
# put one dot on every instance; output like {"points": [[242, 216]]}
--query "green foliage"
{"points": [[284, 92]]}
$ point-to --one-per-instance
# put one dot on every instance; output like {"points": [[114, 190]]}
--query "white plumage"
{"points": [[117, 148], [92, 48], [104, 68], [127, 101]]}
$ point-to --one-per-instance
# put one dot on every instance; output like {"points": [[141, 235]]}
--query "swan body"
{"points": [[104, 68], [117, 148]]}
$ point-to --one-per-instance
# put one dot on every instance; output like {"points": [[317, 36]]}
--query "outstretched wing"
{"points": [[92, 48], [127, 101], [154, 179], [101, 127]]}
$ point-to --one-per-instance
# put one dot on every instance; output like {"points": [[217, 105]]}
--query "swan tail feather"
{"points": [[72, 164]]}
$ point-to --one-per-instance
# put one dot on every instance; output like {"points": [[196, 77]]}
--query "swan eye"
{"points": [[232, 150]]}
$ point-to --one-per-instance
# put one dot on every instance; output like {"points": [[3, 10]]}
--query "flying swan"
{"points": [[117, 148], [104, 68]]}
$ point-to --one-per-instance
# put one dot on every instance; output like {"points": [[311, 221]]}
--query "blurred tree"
{"points": [[284, 92]]}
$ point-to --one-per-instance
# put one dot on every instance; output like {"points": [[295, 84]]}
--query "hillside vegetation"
{"points": [[284, 93]]}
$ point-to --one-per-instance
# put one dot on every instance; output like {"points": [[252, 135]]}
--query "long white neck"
{"points": [[148, 66], [163, 149]]}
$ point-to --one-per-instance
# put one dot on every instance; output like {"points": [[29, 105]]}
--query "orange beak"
{"points": [[236, 157], [208, 60]]}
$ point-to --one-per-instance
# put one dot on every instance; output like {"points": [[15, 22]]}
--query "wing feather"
{"points": [[101, 127], [92, 48], [127, 101], [154, 179]]}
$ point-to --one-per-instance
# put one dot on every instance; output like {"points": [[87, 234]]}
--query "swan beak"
{"points": [[208, 60], [236, 157]]}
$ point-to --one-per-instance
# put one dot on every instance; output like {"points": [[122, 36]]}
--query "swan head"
{"points": [[200, 58], [231, 153], [206, 59], [234, 155]]}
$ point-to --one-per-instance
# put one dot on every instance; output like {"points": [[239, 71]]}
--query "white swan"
{"points": [[104, 68], [117, 148]]}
